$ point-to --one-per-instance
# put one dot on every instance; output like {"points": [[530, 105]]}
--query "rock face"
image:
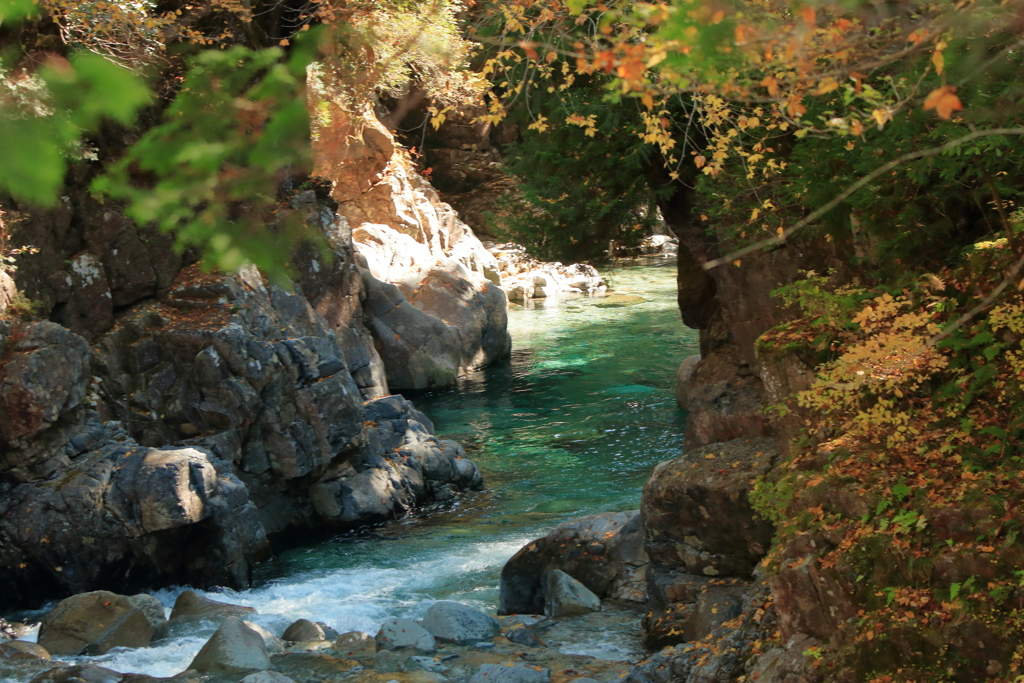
{"points": [[615, 538], [223, 414], [703, 537], [408, 237], [93, 623]]}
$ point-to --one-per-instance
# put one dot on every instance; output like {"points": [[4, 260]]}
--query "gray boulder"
{"points": [[567, 597], [459, 624], [399, 634], [303, 630], [275, 645], [234, 648], [517, 673], [93, 623]]}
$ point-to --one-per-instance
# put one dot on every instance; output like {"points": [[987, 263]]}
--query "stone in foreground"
{"points": [[398, 634], [234, 648], [459, 624], [93, 623], [355, 643], [303, 630], [266, 677], [518, 673], [568, 597]]}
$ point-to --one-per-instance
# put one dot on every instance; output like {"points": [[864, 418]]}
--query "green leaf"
{"points": [[575, 6], [33, 163], [13, 10]]}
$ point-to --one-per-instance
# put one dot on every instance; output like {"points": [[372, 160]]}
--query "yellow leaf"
{"points": [[551, 56], [944, 101], [881, 116], [850, 145], [827, 85], [938, 61], [780, 232], [754, 214], [647, 100], [700, 161]]}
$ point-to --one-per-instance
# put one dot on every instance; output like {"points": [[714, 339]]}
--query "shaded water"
{"points": [[571, 426]]}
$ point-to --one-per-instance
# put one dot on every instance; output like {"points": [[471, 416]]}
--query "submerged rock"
{"points": [[566, 597], [82, 673], [191, 606], [457, 623]]}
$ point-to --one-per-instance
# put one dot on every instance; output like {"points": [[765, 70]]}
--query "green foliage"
{"points": [[581, 186], [820, 301], [210, 173], [43, 118]]}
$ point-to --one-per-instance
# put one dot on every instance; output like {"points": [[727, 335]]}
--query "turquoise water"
{"points": [[572, 425]]}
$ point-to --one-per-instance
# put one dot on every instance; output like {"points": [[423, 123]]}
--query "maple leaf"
{"points": [[944, 101]]}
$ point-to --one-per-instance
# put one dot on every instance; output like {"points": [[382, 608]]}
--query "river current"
{"points": [[572, 425]]}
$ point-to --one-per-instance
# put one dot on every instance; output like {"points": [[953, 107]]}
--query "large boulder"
{"points": [[233, 648], [419, 350], [604, 552], [474, 306], [93, 623], [459, 624], [697, 514]]}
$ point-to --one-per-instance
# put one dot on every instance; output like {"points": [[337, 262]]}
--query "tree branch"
{"points": [[841, 197]]}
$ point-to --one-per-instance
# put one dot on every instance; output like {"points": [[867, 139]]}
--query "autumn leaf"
{"points": [[944, 101]]}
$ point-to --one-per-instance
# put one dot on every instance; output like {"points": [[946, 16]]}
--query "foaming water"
{"points": [[572, 425]]}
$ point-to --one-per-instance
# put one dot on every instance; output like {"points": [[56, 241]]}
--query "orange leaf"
{"points": [[944, 101], [809, 15]]}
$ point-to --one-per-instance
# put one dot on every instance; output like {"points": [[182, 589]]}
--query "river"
{"points": [[571, 426]]}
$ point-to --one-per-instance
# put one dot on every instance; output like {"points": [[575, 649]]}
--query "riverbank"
{"points": [[571, 425]]}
